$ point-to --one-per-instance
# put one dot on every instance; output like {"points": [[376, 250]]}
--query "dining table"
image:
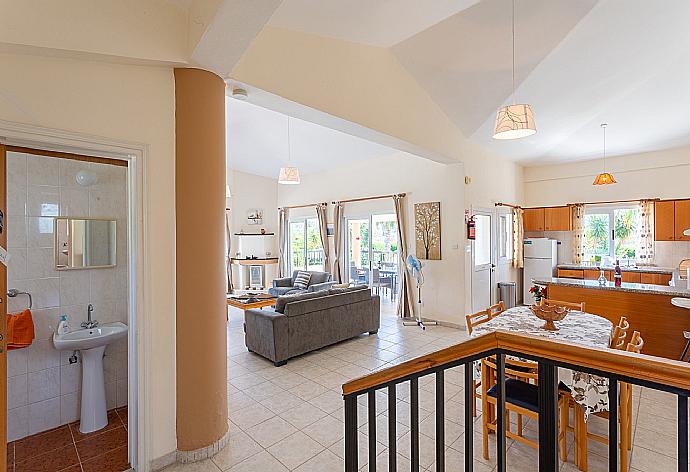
{"points": [[588, 390]]}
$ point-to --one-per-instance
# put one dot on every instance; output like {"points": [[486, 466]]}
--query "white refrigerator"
{"points": [[541, 258]]}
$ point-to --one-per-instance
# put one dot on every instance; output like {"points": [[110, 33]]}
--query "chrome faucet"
{"points": [[89, 323]]}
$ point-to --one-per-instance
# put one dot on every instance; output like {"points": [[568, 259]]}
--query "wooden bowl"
{"points": [[550, 313]]}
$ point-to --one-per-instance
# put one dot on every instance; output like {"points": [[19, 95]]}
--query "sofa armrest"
{"points": [[266, 333], [284, 282], [321, 286]]}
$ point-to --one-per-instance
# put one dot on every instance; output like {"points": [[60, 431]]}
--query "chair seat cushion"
{"points": [[302, 280], [519, 393]]}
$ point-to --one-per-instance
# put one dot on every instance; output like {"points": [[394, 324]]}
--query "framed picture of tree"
{"points": [[427, 224]]}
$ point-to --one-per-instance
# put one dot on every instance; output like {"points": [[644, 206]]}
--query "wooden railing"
{"points": [[649, 371]]}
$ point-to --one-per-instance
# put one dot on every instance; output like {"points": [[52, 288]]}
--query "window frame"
{"points": [[304, 221], [610, 210]]}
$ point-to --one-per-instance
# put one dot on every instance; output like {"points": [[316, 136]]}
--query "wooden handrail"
{"points": [[636, 366]]}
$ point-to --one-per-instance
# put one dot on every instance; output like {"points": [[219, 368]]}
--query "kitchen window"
{"points": [[306, 250], [611, 233], [505, 237]]}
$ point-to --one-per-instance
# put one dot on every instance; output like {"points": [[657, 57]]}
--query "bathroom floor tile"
{"points": [[51, 461], [113, 461], [122, 413], [113, 422], [31, 446], [99, 444]]}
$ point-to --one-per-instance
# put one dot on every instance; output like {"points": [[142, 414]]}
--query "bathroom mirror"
{"points": [[84, 243]]}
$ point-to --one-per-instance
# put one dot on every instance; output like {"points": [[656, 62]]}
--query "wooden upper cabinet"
{"points": [[533, 219], [682, 219], [558, 219], [664, 220]]}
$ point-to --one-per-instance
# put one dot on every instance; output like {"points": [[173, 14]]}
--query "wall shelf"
{"points": [[254, 234]]}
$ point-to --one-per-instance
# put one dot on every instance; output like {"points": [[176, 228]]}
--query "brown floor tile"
{"points": [[113, 422], [52, 461], [122, 413], [113, 461], [10, 454], [102, 443], [41, 443], [74, 468]]}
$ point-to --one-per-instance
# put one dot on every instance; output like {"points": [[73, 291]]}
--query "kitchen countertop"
{"points": [[646, 269], [625, 286]]}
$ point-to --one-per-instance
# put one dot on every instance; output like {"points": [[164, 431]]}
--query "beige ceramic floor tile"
{"points": [[261, 462], [240, 447], [271, 431], [295, 450]]}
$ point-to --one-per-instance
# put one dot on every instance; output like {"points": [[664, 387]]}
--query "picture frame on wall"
{"points": [[330, 229], [427, 228], [255, 216]]}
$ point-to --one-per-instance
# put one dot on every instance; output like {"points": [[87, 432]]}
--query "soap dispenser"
{"points": [[63, 326]]}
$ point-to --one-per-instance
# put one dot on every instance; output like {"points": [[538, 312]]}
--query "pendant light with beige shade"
{"points": [[517, 120], [289, 175], [605, 178]]}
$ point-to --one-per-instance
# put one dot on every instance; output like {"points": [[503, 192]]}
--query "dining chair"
{"points": [[619, 334], [573, 306], [497, 308], [521, 397], [625, 395], [471, 321]]}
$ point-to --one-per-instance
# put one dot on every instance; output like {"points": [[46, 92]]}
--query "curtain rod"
{"points": [[615, 201], [499, 204], [306, 205], [379, 197]]}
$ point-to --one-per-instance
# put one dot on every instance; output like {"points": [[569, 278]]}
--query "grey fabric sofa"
{"points": [[303, 322], [318, 281]]}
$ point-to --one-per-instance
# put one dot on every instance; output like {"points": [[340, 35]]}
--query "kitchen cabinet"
{"points": [[593, 274], [557, 219], [632, 277], [655, 279], [570, 273], [533, 219], [682, 219], [664, 220]]}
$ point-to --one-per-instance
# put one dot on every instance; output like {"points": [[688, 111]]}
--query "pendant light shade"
{"points": [[288, 176], [517, 120], [514, 121], [605, 178]]}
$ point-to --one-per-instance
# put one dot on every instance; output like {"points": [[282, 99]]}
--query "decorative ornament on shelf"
{"points": [[539, 292], [517, 120], [605, 178], [289, 175]]}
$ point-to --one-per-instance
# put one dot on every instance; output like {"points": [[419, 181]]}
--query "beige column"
{"points": [[200, 268]]}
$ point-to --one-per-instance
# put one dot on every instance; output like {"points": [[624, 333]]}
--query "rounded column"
{"points": [[200, 169]]}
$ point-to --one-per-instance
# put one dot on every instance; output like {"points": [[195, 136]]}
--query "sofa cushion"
{"points": [[319, 277], [283, 300], [302, 279], [325, 301]]}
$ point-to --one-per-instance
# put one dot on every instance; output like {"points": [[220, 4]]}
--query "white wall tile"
{"points": [[69, 408], [16, 231], [111, 395], [74, 287], [40, 263], [45, 292], [43, 170], [16, 170], [43, 200], [68, 172], [17, 265], [17, 423], [40, 232], [121, 393], [44, 385], [16, 200], [44, 415], [104, 285], [74, 202], [45, 323], [70, 378], [17, 391], [17, 362], [42, 355]]}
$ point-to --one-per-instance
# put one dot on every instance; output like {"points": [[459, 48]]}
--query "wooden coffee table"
{"points": [[262, 301]]}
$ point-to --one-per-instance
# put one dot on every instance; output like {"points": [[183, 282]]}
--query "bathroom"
{"points": [[67, 243]]}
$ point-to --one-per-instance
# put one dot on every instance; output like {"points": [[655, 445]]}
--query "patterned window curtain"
{"points": [[518, 239], [578, 215], [228, 255], [405, 301], [283, 221], [338, 238], [323, 233], [645, 254]]}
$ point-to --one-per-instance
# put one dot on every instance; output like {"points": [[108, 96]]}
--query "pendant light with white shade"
{"points": [[517, 120], [605, 178], [289, 175]]}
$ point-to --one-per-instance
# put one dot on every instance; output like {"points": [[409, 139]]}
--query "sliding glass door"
{"points": [[372, 252], [306, 250]]}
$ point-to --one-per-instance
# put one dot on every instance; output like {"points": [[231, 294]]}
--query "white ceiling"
{"points": [[579, 63], [257, 142]]}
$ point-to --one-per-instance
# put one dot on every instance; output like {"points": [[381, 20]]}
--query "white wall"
{"points": [[44, 389], [130, 103], [423, 181]]}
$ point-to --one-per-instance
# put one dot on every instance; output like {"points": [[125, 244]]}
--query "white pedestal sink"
{"points": [[92, 343]]}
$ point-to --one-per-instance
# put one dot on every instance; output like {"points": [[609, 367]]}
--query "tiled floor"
{"points": [[65, 449], [291, 417]]}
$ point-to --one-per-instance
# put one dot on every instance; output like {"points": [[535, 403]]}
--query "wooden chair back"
{"points": [[521, 370], [573, 306], [497, 309], [619, 334], [476, 319], [636, 343]]}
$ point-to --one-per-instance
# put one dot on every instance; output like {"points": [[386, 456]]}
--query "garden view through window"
{"points": [[611, 232], [306, 250]]}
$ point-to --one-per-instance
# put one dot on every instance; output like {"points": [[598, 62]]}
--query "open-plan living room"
{"points": [[323, 235]]}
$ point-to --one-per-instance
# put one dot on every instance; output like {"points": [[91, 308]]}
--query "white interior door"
{"points": [[483, 261]]}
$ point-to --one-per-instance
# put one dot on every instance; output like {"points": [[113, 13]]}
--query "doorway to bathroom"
{"points": [[65, 225]]}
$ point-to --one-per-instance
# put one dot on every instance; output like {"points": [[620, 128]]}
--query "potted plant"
{"points": [[539, 292]]}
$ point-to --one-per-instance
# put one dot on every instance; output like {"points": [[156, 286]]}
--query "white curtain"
{"points": [[645, 253], [578, 216], [338, 238], [323, 233], [228, 255], [518, 238], [283, 241], [406, 299]]}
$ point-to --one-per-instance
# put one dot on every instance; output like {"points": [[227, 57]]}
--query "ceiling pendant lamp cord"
{"points": [[513, 32], [604, 127], [289, 147]]}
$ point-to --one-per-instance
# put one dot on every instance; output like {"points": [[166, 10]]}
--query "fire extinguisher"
{"points": [[471, 233]]}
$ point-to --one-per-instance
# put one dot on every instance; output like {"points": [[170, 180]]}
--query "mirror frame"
{"points": [[55, 250]]}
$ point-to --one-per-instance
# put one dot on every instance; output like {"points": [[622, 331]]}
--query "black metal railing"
{"points": [[548, 413]]}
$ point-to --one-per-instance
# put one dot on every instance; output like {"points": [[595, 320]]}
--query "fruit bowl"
{"points": [[549, 313]]}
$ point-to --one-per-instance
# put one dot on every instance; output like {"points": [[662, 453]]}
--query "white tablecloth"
{"points": [[589, 391]]}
